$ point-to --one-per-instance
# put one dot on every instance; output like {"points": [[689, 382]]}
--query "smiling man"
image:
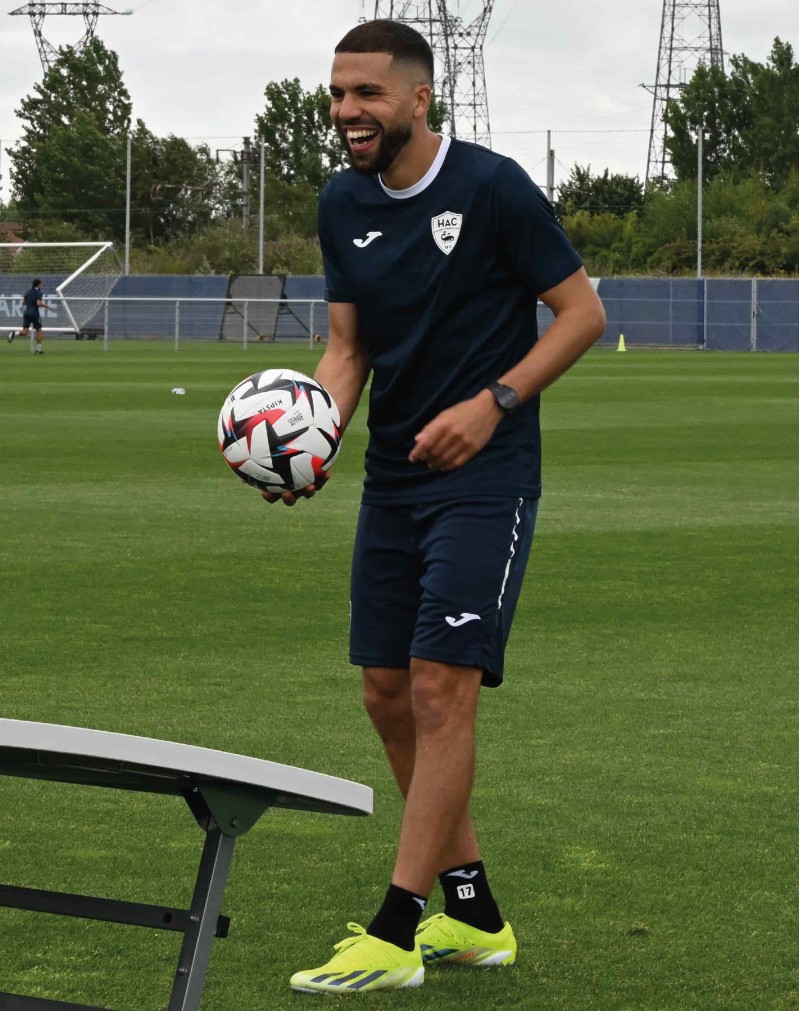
{"points": [[435, 253]]}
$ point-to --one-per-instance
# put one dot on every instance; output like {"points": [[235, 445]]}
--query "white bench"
{"points": [[226, 793]]}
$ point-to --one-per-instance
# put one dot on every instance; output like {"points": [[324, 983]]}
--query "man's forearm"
{"points": [[344, 376], [569, 337]]}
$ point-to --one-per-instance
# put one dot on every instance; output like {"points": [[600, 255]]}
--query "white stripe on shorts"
{"points": [[511, 553]]}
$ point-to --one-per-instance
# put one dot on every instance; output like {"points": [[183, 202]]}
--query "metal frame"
{"points": [[226, 794], [199, 924]]}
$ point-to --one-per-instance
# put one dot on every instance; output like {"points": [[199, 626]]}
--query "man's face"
{"points": [[372, 108]]}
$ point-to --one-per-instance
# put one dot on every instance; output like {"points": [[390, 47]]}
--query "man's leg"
{"points": [[444, 702], [473, 925], [39, 339], [380, 959], [387, 699]]}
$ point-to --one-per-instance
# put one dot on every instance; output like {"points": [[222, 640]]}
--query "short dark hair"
{"points": [[36, 282], [400, 41]]}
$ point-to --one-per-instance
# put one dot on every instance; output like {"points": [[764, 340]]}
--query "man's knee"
{"points": [[387, 697], [443, 696]]}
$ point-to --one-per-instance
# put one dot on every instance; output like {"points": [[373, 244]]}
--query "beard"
{"points": [[391, 143]]}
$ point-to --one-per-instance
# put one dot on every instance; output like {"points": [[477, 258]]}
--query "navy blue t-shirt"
{"points": [[445, 278], [31, 298]]}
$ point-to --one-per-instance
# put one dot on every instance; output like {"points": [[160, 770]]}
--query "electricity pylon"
{"points": [[691, 34], [460, 77], [37, 12]]}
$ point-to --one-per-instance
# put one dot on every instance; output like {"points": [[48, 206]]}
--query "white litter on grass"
{"points": [[179, 390]]}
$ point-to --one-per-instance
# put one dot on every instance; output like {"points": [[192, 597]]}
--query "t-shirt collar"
{"points": [[425, 181]]}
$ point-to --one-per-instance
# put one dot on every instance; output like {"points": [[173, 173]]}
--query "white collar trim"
{"points": [[426, 180]]}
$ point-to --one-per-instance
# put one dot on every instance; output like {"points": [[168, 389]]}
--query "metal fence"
{"points": [[240, 321], [707, 314], [711, 314]]}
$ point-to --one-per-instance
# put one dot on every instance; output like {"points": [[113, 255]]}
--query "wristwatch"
{"points": [[507, 399]]}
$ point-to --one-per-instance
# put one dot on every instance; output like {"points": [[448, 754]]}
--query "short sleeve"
{"points": [[336, 288], [528, 231]]}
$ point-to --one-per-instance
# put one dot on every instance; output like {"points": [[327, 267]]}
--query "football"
{"points": [[279, 430]]}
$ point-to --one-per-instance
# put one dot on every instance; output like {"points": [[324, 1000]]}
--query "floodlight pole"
{"points": [[551, 171], [261, 209], [128, 207], [246, 184], [700, 201]]}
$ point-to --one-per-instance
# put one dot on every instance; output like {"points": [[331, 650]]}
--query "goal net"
{"points": [[76, 278]]}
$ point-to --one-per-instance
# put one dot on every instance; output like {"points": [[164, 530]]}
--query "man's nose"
{"points": [[350, 109]]}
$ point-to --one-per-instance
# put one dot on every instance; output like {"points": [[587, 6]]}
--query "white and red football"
{"points": [[279, 430]]}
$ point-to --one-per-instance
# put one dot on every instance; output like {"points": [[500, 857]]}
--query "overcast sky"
{"points": [[197, 68]]}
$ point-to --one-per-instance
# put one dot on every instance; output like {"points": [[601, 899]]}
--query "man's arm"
{"points": [[460, 432], [343, 370], [579, 321]]}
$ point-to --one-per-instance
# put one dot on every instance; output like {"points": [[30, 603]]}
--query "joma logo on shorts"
{"points": [[465, 617]]}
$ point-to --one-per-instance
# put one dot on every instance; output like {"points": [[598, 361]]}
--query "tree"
{"points": [[770, 139], [438, 115], [70, 162], [749, 119], [301, 144], [176, 189], [615, 194]]}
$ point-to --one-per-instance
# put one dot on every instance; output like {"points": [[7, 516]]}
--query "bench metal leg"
{"points": [[13, 1002], [203, 917]]}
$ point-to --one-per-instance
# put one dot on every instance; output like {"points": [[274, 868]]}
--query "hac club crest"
{"points": [[446, 228]]}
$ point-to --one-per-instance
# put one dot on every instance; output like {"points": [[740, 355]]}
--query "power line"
{"points": [[508, 133]]}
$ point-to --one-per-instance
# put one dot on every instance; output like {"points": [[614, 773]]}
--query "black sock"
{"points": [[468, 897], [398, 918]]}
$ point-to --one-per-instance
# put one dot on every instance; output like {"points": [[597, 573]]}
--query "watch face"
{"points": [[505, 396]]}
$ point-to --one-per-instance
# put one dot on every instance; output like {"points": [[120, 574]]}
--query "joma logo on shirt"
{"points": [[446, 228]]}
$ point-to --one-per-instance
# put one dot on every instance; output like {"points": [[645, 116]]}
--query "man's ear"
{"points": [[422, 101]]}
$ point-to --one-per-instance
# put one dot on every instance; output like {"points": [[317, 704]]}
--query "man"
{"points": [[435, 252], [32, 302]]}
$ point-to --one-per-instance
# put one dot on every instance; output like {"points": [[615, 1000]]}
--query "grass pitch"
{"points": [[636, 784]]}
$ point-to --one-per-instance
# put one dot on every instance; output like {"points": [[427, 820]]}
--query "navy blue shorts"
{"points": [[31, 319], [439, 581]]}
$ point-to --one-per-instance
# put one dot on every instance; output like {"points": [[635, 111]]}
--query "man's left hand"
{"points": [[458, 433]]}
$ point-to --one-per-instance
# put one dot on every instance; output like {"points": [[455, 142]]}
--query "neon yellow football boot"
{"points": [[362, 963], [443, 939]]}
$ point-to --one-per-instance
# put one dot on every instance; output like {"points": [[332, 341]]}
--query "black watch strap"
{"points": [[506, 397]]}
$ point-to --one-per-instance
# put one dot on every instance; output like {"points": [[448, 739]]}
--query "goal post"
{"points": [[76, 278]]}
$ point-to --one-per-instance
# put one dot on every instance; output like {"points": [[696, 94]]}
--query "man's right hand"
{"points": [[289, 498]]}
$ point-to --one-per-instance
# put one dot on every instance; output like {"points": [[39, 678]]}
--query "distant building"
{"points": [[9, 231]]}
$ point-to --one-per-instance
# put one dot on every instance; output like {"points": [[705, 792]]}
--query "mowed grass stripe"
{"points": [[635, 790]]}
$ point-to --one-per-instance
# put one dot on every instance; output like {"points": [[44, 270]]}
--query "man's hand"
{"points": [[290, 497], [458, 433]]}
